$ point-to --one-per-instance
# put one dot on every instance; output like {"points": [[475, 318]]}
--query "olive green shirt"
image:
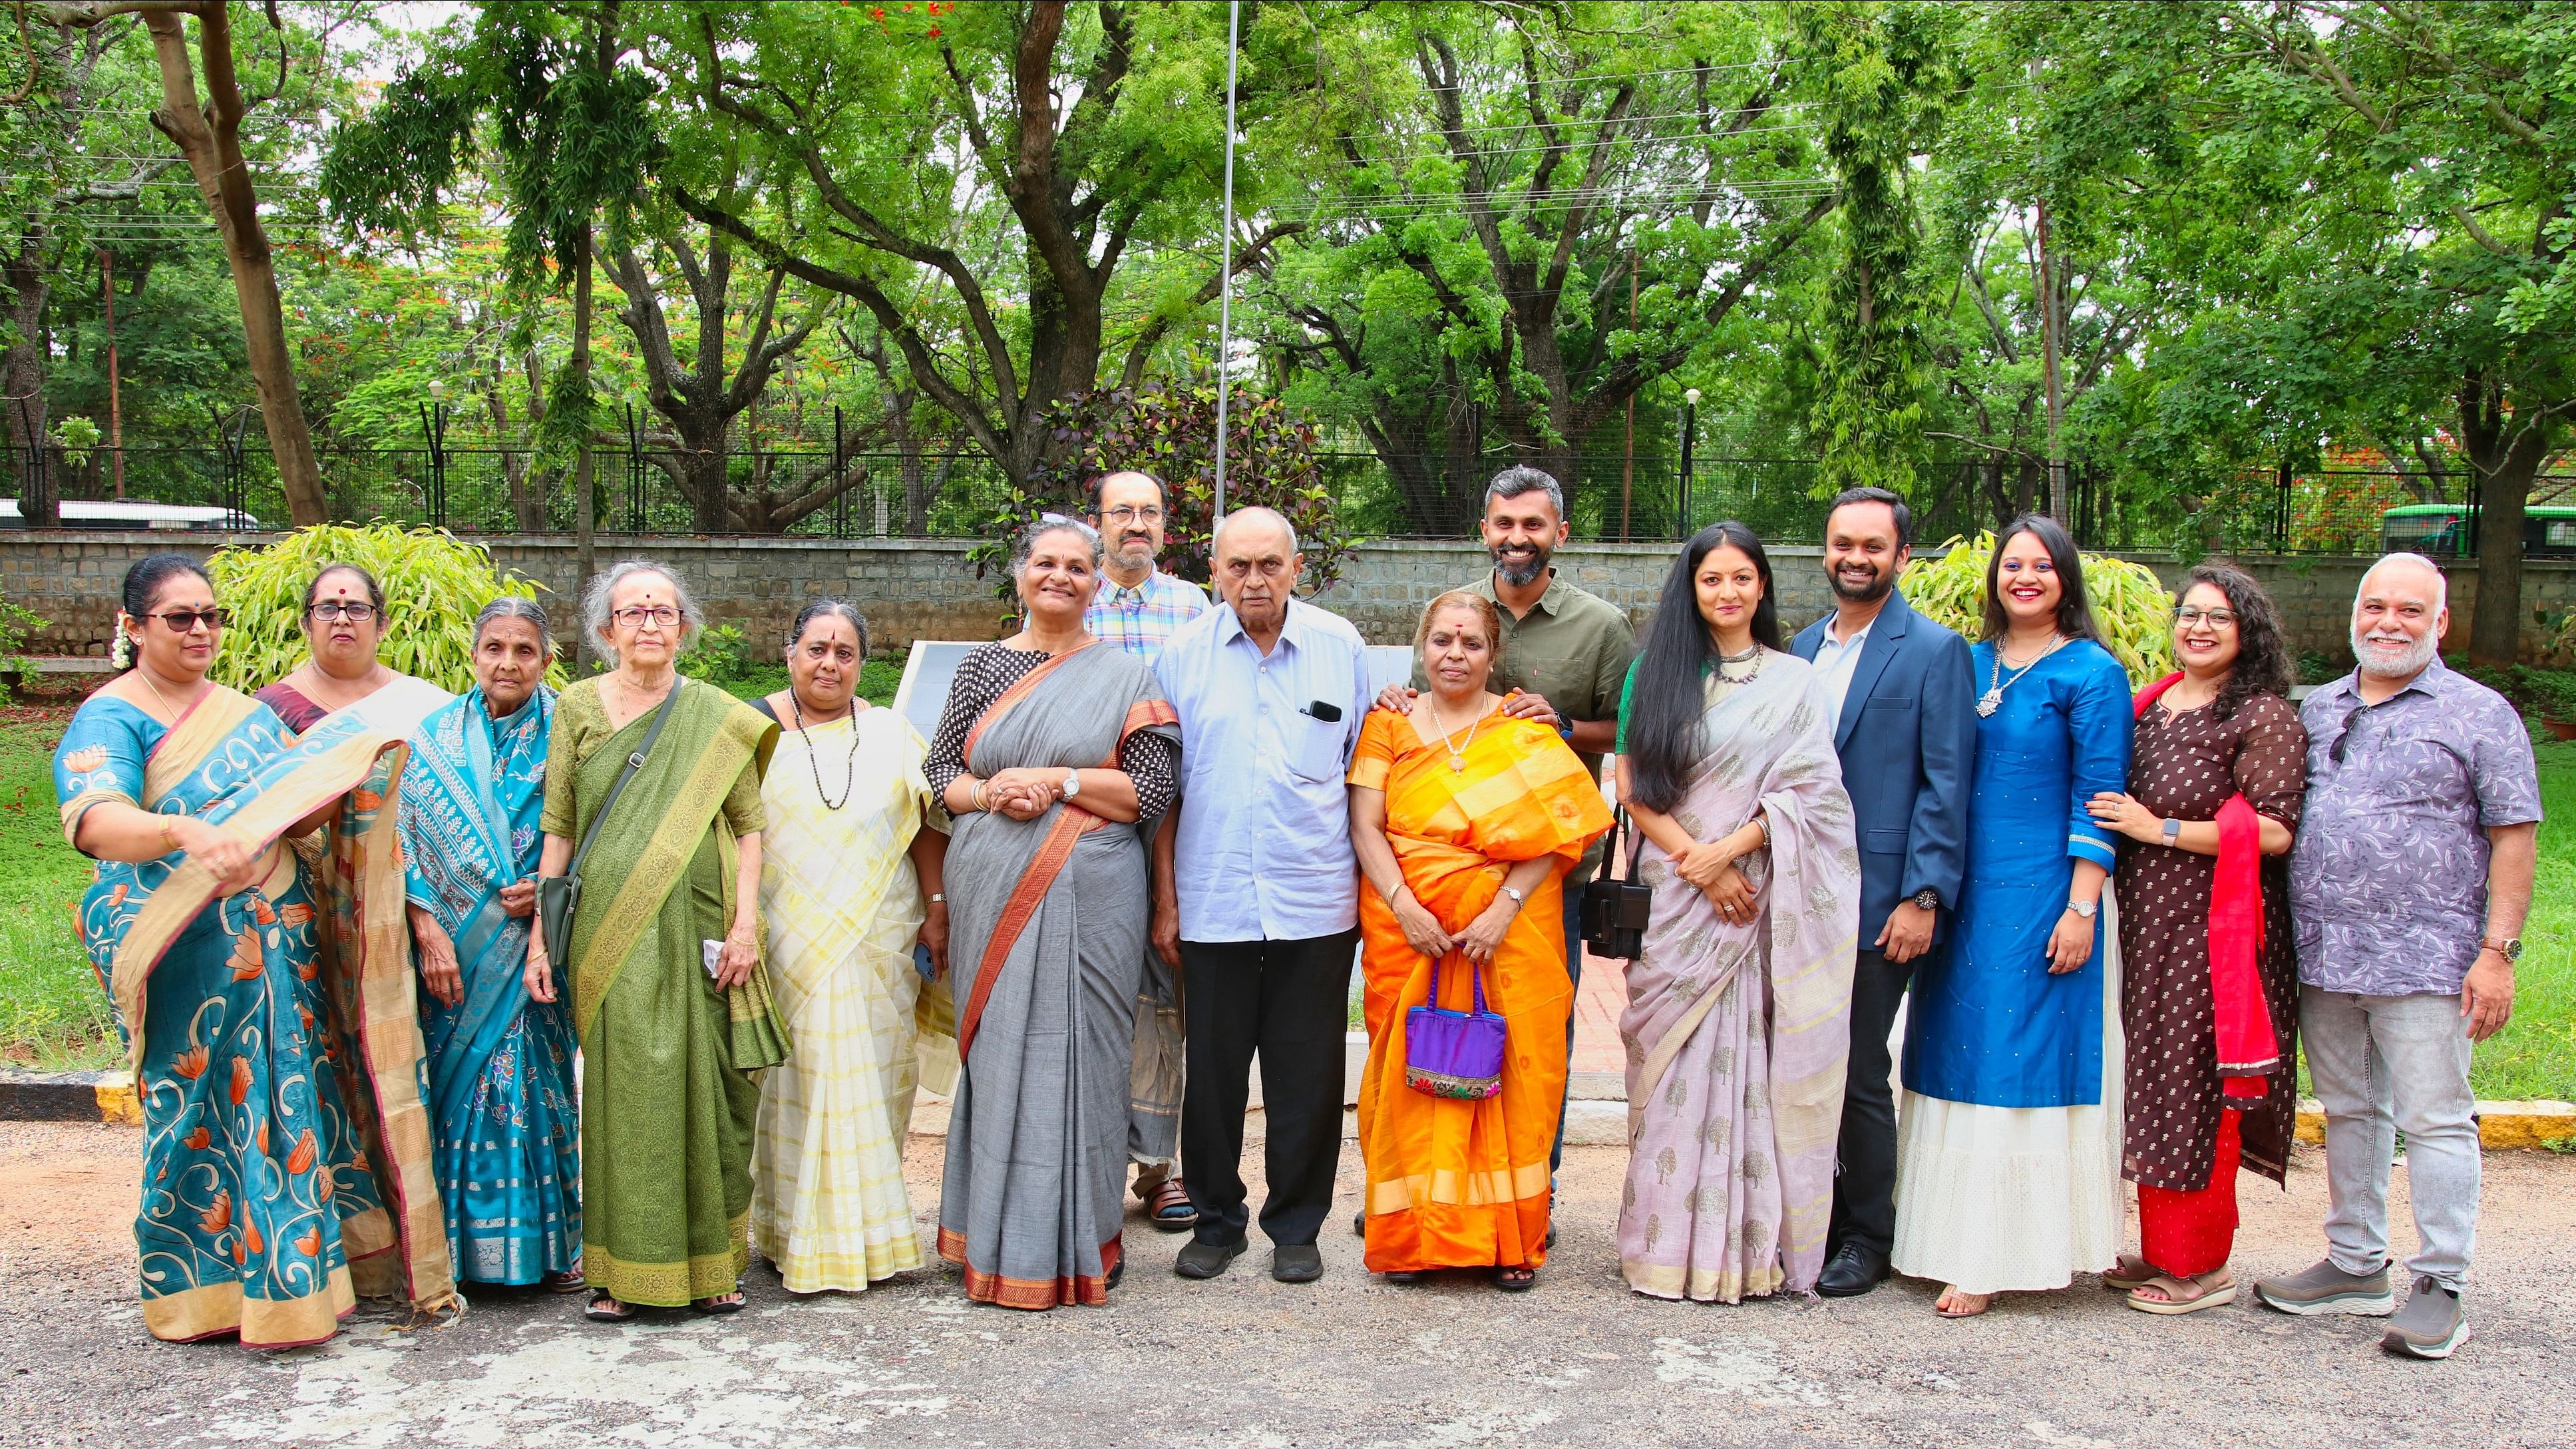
{"points": [[1572, 650]]}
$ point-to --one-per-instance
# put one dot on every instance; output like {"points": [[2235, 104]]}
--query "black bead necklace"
{"points": [[850, 775]]}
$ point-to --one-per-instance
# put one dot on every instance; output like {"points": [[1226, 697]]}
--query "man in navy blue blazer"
{"points": [[1903, 691]]}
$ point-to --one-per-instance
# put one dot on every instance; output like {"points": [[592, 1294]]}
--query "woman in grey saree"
{"points": [[1738, 1019], [1055, 756]]}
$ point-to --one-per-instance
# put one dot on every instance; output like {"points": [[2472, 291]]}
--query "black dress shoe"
{"points": [[1854, 1269], [1205, 1260]]}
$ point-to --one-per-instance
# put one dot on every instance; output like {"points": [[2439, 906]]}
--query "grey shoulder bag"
{"points": [[558, 896]]}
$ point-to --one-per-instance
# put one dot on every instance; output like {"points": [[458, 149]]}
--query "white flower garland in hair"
{"points": [[121, 653]]}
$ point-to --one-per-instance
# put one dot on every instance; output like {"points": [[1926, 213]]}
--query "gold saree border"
{"points": [[221, 1308], [671, 1284]]}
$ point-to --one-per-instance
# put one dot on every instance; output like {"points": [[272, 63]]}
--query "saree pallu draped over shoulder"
{"points": [[1458, 1183], [272, 1031], [1738, 1034], [1047, 925], [668, 1100], [506, 1137]]}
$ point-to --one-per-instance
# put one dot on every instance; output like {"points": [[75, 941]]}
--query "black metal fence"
{"points": [[823, 492]]}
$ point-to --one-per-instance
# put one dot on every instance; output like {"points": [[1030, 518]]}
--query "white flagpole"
{"points": [[1225, 276]]}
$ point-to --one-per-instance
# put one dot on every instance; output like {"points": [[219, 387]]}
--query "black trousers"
{"points": [[1289, 1001], [1865, 1157]]}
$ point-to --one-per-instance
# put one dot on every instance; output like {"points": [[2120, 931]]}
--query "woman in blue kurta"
{"points": [[506, 1140], [2008, 1149], [284, 1148]]}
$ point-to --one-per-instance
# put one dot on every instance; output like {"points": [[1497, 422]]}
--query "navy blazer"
{"points": [[1908, 741]]}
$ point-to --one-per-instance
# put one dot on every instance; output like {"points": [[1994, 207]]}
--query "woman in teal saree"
{"points": [[506, 1142], [266, 1004]]}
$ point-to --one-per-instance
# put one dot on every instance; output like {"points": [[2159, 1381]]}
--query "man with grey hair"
{"points": [[2409, 883], [1564, 657], [1138, 607], [1257, 896]]}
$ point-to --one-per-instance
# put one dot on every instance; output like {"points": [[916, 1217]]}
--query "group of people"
{"points": [[597, 990]]}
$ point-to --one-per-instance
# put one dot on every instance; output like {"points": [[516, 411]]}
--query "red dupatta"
{"points": [[2248, 1048]]}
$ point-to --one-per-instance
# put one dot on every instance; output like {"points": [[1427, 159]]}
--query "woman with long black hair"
{"points": [[2008, 1148], [1738, 1019]]}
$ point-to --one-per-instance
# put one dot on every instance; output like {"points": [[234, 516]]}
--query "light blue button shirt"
{"points": [[1264, 850]]}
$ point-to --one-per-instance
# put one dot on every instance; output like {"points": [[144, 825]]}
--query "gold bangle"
{"points": [[168, 842], [979, 804]]}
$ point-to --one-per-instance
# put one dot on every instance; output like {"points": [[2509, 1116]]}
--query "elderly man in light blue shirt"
{"points": [[1258, 893]]}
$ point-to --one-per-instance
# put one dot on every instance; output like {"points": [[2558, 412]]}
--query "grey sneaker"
{"points": [[2326, 1288], [2430, 1325]]}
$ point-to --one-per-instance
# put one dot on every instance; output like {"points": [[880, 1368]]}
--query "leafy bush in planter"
{"points": [[2130, 604], [434, 582]]}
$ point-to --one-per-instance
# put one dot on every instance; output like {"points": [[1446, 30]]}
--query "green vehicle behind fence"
{"points": [[2449, 530]]}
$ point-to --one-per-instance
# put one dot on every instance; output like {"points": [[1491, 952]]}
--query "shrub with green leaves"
{"points": [[2130, 604], [434, 582]]}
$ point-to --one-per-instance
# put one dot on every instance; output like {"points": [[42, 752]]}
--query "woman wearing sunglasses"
{"points": [[344, 622], [2209, 989], [271, 1196]]}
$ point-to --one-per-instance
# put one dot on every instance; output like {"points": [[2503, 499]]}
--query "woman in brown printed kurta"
{"points": [[2221, 728]]}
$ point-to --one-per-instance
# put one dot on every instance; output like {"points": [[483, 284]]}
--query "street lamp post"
{"points": [[1690, 418], [433, 424]]}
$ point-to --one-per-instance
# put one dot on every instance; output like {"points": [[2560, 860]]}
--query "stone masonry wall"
{"points": [[925, 589]]}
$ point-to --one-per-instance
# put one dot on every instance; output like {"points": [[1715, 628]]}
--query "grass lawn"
{"points": [[2535, 1056]]}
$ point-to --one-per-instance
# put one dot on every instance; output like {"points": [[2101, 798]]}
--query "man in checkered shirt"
{"points": [[1138, 606]]}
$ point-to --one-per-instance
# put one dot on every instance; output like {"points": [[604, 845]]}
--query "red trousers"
{"points": [[2186, 1234]]}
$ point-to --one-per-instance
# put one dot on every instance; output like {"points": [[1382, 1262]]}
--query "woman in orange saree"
{"points": [[1465, 821]]}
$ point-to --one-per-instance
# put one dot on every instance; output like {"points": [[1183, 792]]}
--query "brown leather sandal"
{"points": [[1170, 1209]]}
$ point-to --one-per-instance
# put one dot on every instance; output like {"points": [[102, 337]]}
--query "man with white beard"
{"points": [[2408, 886]]}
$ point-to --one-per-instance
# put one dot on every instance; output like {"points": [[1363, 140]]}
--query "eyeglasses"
{"points": [[2343, 736], [660, 616], [184, 621], [1126, 514], [2214, 618], [333, 611], [1268, 568]]}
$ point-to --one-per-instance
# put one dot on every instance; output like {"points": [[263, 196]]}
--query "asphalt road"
{"points": [[1244, 1361]]}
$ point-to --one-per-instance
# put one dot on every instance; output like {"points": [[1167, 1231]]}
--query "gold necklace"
{"points": [[146, 676], [1457, 749]]}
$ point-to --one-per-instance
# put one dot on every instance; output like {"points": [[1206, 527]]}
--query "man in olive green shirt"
{"points": [[1565, 655]]}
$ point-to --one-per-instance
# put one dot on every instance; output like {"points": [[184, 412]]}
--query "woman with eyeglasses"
{"points": [[669, 997], [285, 1169], [2210, 972], [2008, 1146], [344, 622]]}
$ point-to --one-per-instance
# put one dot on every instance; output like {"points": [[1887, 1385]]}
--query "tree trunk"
{"points": [[2505, 455], [22, 386], [585, 506], [210, 139]]}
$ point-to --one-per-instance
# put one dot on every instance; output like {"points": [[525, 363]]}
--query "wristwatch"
{"points": [[2082, 908], [2173, 831], [1564, 727], [1072, 783], [2510, 948], [1928, 898], [1518, 900]]}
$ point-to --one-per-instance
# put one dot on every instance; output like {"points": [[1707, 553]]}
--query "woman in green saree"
{"points": [[669, 997]]}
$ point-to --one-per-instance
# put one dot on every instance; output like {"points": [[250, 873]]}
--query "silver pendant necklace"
{"points": [[1996, 684], [1457, 748]]}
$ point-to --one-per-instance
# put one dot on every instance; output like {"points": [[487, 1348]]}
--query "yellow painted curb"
{"points": [[2501, 1125], [118, 1106]]}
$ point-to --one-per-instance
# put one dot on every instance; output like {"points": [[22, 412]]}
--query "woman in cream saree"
{"points": [[264, 992], [1739, 1010]]}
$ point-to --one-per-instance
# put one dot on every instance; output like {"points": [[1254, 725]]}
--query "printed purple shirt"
{"points": [[2388, 880]]}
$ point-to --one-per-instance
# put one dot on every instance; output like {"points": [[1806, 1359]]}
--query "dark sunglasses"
{"points": [[2343, 736], [182, 621]]}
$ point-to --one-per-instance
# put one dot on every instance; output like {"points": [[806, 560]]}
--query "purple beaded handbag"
{"points": [[1455, 1054]]}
